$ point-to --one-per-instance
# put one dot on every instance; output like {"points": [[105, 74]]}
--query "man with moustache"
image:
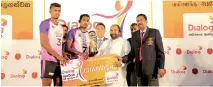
{"points": [[51, 35], [119, 46], [147, 49], [78, 39], [131, 76]]}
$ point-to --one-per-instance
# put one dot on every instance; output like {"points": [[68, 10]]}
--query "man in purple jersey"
{"points": [[51, 36], [78, 39]]}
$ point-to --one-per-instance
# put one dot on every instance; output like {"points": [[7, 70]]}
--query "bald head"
{"points": [[116, 25]]}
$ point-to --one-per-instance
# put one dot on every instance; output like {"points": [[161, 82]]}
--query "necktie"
{"points": [[141, 40], [99, 43]]}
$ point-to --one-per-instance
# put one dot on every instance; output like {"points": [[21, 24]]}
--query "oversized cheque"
{"points": [[94, 71]]}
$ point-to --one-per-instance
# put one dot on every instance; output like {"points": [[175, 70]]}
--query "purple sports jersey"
{"points": [[80, 41], [55, 36]]}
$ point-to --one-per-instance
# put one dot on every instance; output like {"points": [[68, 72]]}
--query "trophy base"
{"points": [[91, 54]]}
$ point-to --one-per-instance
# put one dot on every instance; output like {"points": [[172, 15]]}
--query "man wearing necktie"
{"points": [[147, 49], [100, 31]]}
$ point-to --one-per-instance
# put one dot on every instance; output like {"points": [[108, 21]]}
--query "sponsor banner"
{"points": [[173, 13], [22, 24], [97, 70], [198, 25]]}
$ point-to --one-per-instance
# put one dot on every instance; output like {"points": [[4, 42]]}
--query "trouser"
{"points": [[146, 80], [131, 75]]}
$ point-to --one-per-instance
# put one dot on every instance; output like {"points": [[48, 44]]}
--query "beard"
{"points": [[56, 17], [84, 26], [114, 36]]}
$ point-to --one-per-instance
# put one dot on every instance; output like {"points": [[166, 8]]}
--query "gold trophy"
{"points": [[92, 46]]}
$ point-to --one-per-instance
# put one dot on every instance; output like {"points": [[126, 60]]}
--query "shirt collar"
{"points": [[100, 38], [116, 39], [143, 30], [53, 23]]}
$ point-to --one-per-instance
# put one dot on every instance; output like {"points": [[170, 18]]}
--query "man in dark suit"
{"points": [[100, 31], [131, 75], [97, 38], [147, 49]]}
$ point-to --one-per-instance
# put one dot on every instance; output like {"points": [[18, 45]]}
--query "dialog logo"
{"points": [[181, 70], [19, 75], [3, 24], [111, 77], [195, 51], [198, 25], [5, 54]]}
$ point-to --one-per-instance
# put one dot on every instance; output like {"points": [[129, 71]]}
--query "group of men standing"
{"points": [[141, 58]]}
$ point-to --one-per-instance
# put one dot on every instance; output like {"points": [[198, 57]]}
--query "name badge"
{"points": [[150, 41]]}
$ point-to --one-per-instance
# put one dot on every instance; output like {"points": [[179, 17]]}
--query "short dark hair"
{"points": [[143, 16], [63, 25], [133, 24], [92, 32], [101, 24], [82, 15], [119, 28], [55, 5]]}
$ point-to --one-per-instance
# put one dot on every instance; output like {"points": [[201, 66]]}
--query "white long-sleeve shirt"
{"points": [[121, 47]]}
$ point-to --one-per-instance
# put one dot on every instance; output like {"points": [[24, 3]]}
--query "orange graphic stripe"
{"points": [[22, 18]]}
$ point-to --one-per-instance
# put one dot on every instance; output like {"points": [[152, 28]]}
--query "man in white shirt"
{"points": [[119, 46]]}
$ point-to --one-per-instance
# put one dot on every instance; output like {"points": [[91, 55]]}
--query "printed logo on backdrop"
{"points": [[5, 54], [210, 51], [180, 70], [34, 75], [208, 71], [179, 51], [120, 15], [198, 25], [175, 74], [3, 23], [197, 50], [19, 75], [34, 56], [6, 28], [174, 25], [74, 72], [17, 55], [195, 70], [3, 75], [75, 24], [167, 50]]}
